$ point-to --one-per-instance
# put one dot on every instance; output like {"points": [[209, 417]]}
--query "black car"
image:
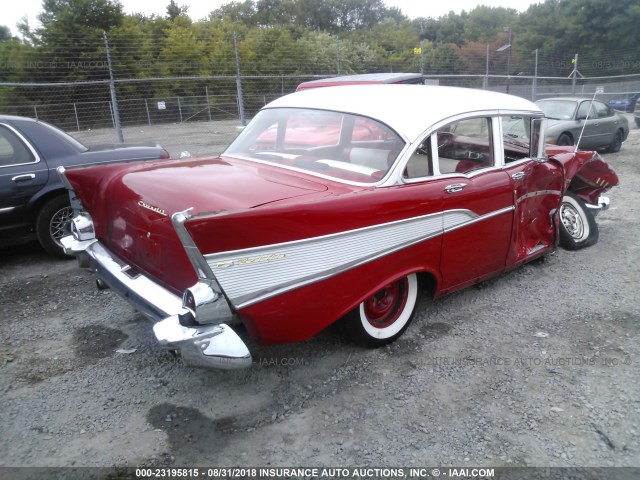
{"points": [[33, 201]]}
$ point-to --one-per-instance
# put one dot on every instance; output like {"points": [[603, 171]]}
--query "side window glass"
{"points": [[602, 110], [583, 110], [464, 146], [516, 137], [421, 163], [12, 150]]}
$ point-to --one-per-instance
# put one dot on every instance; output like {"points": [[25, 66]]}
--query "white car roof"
{"points": [[408, 109]]}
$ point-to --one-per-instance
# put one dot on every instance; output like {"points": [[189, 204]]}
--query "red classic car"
{"points": [[292, 229]]}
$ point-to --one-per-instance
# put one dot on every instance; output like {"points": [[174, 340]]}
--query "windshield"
{"points": [[332, 144], [558, 109]]}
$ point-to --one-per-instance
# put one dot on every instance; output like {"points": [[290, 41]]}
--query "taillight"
{"points": [[164, 155], [82, 227], [203, 306]]}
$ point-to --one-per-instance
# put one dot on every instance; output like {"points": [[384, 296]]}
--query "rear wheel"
{"points": [[51, 224], [565, 139], [578, 228], [616, 143], [384, 316]]}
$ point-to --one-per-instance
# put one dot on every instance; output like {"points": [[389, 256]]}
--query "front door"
{"points": [[537, 192], [477, 203]]}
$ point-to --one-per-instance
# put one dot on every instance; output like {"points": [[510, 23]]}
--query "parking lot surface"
{"points": [[537, 367]]}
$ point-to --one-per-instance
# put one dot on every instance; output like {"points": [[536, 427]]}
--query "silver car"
{"points": [[605, 128]]}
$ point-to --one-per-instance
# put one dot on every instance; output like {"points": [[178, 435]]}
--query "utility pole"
{"points": [[534, 87], [243, 120], [574, 74], [112, 88]]}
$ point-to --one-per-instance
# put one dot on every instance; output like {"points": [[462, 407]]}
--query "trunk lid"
{"points": [[131, 205]]}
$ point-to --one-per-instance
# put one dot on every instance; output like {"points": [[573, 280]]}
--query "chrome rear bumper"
{"points": [[209, 346]]}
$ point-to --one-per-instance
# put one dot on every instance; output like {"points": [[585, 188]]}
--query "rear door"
{"points": [[22, 175], [607, 123]]}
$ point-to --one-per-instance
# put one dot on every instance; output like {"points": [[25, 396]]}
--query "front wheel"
{"points": [[50, 224], [384, 316], [578, 228]]}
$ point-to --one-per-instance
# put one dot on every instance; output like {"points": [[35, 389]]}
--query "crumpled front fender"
{"points": [[584, 171]]}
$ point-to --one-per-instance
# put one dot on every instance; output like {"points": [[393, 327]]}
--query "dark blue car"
{"points": [[626, 104], [33, 201]]}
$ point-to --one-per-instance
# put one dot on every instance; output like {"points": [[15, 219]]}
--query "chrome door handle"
{"points": [[455, 187], [22, 178], [517, 175]]}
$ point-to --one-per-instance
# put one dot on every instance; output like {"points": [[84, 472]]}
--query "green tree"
{"points": [[70, 40], [5, 34], [243, 12], [484, 23], [452, 28], [182, 53], [605, 34], [174, 10], [445, 58]]}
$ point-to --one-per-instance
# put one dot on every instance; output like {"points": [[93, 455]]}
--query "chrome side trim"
{"points": [[539, 193], [200, 266], [215, 308], [478, 218], [251, 275], [61, 173], [7, 209]]}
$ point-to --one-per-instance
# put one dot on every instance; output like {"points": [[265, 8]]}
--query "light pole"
{"points": [[507, 46]]}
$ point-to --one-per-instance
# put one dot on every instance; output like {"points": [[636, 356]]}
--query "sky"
{"points": [[13, 11]]}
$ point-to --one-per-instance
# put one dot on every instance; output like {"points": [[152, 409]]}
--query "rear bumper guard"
{"points": [[209, 346], [603, 204]]}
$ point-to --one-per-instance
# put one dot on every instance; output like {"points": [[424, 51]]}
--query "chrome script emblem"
{"points": [[152, 208], [244, 261]]}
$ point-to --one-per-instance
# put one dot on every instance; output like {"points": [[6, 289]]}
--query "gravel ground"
{"points": [[538, 367]]}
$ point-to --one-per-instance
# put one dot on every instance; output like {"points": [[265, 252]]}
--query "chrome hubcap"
{"points": [[58, 223], [572, 220]]}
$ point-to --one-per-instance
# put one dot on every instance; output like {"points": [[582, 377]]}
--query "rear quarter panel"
{"points": [[294, 306]]}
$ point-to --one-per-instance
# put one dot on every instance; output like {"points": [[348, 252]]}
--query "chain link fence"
{"points": [[201, 113]]}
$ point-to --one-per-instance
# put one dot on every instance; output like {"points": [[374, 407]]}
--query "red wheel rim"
{"points": [[384, 308]]}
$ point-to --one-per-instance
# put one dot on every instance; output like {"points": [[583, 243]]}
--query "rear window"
{"points": [[330, 144]]}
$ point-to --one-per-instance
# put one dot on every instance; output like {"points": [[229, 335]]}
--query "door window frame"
{"points": [[25, 143]]}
